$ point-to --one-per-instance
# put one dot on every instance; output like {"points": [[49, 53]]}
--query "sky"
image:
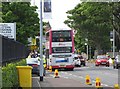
{"points": [[59, 9]]}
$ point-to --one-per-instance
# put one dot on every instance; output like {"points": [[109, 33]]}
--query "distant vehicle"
{"points": [[34, 63], [77, 61], [116, 63], [102, 60], [60, 49], [82, 60]]}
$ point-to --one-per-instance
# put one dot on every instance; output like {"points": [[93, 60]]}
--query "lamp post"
{"points": [[87, 49], [113, 39], [41, 47]]}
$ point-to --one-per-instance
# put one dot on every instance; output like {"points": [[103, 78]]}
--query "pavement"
{"points": [[49, 82], [35, 83]]}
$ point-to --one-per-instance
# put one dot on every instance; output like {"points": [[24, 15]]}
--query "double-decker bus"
{"points": [[60, 49]]}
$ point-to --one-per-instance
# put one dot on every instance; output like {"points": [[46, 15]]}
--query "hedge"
{"points": [[9, 74]]}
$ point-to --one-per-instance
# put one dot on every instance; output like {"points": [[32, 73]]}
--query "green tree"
{"points": [[92, 21], [25, 17], [0, 12]]}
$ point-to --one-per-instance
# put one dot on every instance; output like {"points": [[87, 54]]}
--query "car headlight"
{"points": [[98, 60]]}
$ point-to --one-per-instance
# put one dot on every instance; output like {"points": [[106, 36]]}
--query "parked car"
{"points": [[102, 60], [116, 63], [34, 63], [77, 61]]}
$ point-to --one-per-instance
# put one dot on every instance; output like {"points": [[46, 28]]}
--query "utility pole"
{"points": [[41, 47], [87, 52], [90, 51], [87, 48]]}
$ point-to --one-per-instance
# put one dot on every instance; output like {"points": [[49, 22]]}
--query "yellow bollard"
{"points": [[87, 80], [116, 86], [56, 73], [50, 68], [98, 83]]}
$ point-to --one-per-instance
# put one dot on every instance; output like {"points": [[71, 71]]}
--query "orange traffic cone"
{"points": [[87, 80], [50, 68], [56, 73], [98, 83]]}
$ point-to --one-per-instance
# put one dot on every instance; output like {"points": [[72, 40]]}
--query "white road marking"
{"points": [[51, 75], [38, 83], [80, 76], [35, 77], [75, 76], [64, 72], [66, 77]]}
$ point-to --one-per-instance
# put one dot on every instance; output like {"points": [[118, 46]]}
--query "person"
{"points": [[44, 64]]}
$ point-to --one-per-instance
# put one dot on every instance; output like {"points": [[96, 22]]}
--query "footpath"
{"points": [[49, 82]]}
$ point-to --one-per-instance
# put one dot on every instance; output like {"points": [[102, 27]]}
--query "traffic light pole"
{"points": [[41, 47]]}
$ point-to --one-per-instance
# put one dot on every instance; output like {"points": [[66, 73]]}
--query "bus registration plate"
{"points": [[62, 65]]}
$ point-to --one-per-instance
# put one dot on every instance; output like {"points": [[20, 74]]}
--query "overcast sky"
{"points": [[59, 9]]}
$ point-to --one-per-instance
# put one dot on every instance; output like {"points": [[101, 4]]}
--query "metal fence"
{"points": [[12, 50]]}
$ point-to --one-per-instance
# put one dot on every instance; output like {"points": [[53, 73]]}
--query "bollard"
{"points": [[56, 73], [98, 83], [116, 86], [50, 68], [87, 80]]}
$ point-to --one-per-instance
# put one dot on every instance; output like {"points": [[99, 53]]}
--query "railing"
{"points": [[12, 50]]}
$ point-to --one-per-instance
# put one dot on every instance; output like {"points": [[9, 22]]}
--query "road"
{"points": [[76, 78]]}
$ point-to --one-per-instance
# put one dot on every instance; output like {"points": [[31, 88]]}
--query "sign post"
{"points": [[41, 47]]}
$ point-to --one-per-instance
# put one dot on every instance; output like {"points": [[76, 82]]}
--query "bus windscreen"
{"points": [[61, 36], [61, 49]]}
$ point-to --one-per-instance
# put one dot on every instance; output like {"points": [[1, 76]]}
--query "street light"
{"points": [[113, 39], [87, 49]]}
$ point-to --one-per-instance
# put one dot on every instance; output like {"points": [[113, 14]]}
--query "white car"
{"points": [[77, 61], [34, 62]]}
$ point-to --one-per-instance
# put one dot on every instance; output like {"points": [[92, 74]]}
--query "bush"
{"points": [[9, 74]]}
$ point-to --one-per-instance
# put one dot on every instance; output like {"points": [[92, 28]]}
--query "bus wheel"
{"points": [[71, 69]]}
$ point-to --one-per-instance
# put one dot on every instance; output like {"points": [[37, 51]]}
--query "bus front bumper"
{"points": [[62, 66]]}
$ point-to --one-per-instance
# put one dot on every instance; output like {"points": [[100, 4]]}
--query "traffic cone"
{"points": [[50, 68], [87, 80], [116, 86], [56, 73], [98, 83]]}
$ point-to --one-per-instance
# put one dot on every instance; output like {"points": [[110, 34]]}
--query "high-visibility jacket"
{"points": [[44, 62]]}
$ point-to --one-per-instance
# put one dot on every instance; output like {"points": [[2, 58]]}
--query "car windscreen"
{"points": [[61, 49], [102, 57], [61, 36]]}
